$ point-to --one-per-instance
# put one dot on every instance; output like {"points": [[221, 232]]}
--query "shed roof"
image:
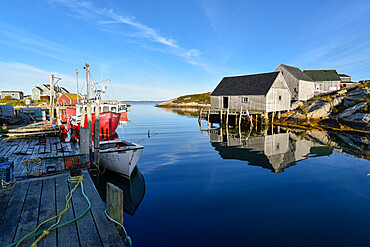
{"points": [[296, 72], [323, 75], [73, 96], [258, 84]]}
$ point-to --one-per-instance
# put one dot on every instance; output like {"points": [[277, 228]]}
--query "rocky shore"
{"points": [[346, 107]]}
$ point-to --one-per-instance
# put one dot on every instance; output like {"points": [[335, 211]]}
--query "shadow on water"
{"points": [[133, 189], [278, 148]]}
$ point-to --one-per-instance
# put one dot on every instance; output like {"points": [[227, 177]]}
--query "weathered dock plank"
{"points": [[48, 210], [108, 232], [67, 235], [10, 219], [87, 231], [30, 211]]}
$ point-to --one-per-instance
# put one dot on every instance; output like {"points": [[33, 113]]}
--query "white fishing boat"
{"points": [[119, 156]]}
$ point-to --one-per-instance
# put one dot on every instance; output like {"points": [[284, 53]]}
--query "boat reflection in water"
{"points": [[133, 189], [274, 151]]}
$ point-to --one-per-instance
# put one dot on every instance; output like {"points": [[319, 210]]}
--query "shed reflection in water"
{"points": [[133, 189], [272, 151]]}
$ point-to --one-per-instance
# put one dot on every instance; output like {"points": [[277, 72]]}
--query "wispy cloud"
{"points": [[19, 76], [338, 40], [110, 21], [211, 9], [22, 39]]}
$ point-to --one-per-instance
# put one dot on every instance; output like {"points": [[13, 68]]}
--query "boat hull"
{"points": [[122, 158], [108, 122]]}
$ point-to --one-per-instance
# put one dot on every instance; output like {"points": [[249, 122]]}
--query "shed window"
{"points": [[245, 99], [280, 97]]}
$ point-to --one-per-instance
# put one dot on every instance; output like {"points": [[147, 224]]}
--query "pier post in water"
{"points": [[114, 201], [96, 132], [52, 99]]}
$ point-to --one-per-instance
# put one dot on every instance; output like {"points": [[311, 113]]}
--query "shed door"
{"points": [[226, 102]]}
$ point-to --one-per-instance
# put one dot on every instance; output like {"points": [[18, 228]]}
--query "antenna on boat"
{"points": [[77, 85]]}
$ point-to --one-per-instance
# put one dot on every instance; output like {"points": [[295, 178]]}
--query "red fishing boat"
{"points": [[108, 120]]}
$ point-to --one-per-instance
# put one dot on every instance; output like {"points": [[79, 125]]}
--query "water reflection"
{"points": [[280, 148], [133, 189]]}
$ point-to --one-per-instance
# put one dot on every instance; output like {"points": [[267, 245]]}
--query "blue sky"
{"points": [[155, 50]]}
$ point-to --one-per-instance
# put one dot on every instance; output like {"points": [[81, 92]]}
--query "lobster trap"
{"points": [[56, 164], [6, 173]]}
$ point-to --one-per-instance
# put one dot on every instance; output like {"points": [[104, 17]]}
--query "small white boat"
{"points": [[120, 156]]}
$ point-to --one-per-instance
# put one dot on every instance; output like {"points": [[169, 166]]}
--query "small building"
{"points": [[13, 94], [345, 78], [325, 80], [346, 81], [36, 92], [68, 99], [300, 85], [44, 90], [266, 92]]}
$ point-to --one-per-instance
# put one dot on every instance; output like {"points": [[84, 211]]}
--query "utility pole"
{"points": [[52, 99]]}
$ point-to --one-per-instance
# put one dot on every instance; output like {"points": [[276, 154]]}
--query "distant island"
{"points": [[202, 100]]}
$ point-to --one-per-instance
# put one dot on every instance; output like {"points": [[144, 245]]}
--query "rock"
{"points": [[360, 117], [337, 101], [318, 135], [347, 102], [296, 104], [319, 109], [358, 94], [349, 111], [298, 115]]}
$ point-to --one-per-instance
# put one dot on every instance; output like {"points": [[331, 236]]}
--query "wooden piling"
{"points": [[227, 118], [240, 118], [209, 113], [88, 107], [52, 120], [114, 201], [221, 117], [97, 131]]}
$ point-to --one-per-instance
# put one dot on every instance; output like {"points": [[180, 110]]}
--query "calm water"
{"points": [[222, 189]]}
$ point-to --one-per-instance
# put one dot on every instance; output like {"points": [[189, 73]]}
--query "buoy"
{"points": [[62, 127], [64, 131]]}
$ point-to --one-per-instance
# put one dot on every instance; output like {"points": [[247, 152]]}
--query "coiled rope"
{"points": [[78, 181]]}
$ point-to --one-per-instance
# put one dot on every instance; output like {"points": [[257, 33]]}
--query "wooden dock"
{"points": [[30, 201], [20, 149]]}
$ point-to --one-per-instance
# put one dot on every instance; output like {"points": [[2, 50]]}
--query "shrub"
{"points": [[8, 97]]}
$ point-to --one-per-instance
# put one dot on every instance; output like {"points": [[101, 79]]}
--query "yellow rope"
{"points": [[46, 232]]}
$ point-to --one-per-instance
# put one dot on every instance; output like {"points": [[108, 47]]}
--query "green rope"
{"points": [[127, 237], [67, 222]]}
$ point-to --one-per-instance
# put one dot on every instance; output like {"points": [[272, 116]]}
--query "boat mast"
{"points": [[89, 116], [77, 85]]}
